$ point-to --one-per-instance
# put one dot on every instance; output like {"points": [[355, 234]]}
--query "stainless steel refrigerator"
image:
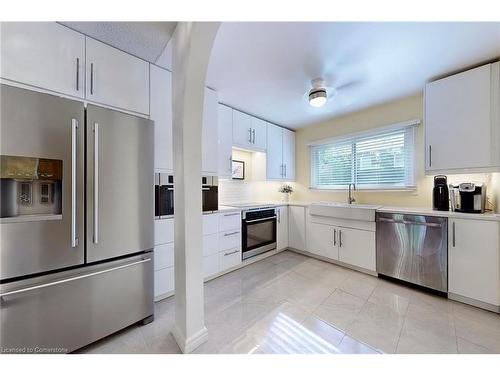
{"points": [[77, 221]]}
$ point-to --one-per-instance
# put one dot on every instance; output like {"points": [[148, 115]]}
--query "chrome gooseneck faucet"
{"points": [[350, 198]]}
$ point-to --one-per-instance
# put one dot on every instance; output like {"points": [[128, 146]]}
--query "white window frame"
{"points": [[354, 136]]}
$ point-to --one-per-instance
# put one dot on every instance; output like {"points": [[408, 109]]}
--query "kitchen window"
{"points": [[378, 160]]}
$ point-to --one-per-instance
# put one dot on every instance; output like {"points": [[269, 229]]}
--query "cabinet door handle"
{"points": [[74, 127], [430, 155], [279, 215], [250, 135], [231, 234], [91, 78], [233, 214], [230, 165], [340, 238], [453, 234], [335, 237], [284, 165], [253, 136], [77, 74]]}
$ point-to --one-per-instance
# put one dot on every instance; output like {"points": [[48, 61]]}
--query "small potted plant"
{"points": [[286, 190]]}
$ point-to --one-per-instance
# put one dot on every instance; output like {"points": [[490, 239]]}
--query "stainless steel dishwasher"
{"points": [[413, 248]]}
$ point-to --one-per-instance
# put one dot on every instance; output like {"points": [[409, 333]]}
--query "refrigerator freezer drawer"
{"points": [[66, 311]]}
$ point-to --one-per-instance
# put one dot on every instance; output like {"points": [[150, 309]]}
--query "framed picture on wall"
{"points": [[238, 170]]}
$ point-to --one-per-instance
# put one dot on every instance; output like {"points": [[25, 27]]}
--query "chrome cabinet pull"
{"points": [[72, 278], [96, 183], [231, 234], [77, 74], [74, 238], [91, 78], [250, 135], [279, 215], [233, 214], [253, 135], [340, 238], [453, 233], [334, 237], [231, 253], [284, 165], [230, 165], [430, 155]]}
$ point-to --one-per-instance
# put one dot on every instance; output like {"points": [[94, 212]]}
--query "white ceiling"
{"points": [[265, 69], [146, 40]]}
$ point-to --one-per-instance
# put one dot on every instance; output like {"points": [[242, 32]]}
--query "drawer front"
{"points": [[210, 244], [230, 258], [210, 265], [80, 308], [164, 231], [164, 281], [164, 256], [230, 240], [229, 221], [210, 223]]}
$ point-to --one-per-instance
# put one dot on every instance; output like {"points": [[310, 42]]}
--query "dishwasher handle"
{"points": [[407, 222]]}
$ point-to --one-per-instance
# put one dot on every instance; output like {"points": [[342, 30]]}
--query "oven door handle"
{"points": [[257, 220]]}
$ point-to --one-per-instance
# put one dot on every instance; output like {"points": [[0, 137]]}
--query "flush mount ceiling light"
{"points": [[317, 95]]}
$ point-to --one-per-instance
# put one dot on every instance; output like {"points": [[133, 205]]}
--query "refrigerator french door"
{"points": [[42, 147], [119, 184]]}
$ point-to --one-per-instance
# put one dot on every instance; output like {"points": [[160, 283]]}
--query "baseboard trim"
{"points": [[188, 345], [336, 262], [474, 302]]}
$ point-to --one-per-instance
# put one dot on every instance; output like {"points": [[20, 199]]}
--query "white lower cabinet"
{"points": [[210, 244], [210, 265], [164, 256], [282, 230], [348, 241], [229, 258], [164, 282], [474, 260], [356, 247], [320, 240], [297, 227]]}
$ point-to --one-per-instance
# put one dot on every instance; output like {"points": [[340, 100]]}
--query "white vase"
{"points": [[286, 197]]}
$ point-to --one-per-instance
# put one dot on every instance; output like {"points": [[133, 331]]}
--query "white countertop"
{"points": [[387, 209]]}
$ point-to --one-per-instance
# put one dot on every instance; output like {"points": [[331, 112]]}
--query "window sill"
{"points": [[379, 190]]}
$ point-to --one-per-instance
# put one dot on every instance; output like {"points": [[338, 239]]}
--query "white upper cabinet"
{"points": [[43, 54], [274, 161], [462, 121], [249, 132], [280, 153], [289, 154], [116, 78], [259, 134], [161, 114], [242, 129], [210, 160], [474, 260], [225, 140]]}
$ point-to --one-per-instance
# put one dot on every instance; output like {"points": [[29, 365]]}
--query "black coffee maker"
{"points": [[440, 194]]}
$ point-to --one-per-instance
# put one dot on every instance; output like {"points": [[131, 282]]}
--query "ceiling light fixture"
{"points": [[317, 97]]}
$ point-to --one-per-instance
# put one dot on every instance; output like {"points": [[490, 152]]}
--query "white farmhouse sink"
{"points": [[363, 212]]}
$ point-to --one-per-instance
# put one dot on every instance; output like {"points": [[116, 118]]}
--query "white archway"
{"points": [[191, 48]]}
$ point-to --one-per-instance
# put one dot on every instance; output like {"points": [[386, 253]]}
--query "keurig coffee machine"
{"points": [[440, 195]]}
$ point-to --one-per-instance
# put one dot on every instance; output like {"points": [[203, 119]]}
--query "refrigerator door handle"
{"points": [[23, 290], [96, 183], [74, 238]]}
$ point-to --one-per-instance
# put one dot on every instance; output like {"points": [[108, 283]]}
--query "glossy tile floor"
{"points": [[290, 303]]}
